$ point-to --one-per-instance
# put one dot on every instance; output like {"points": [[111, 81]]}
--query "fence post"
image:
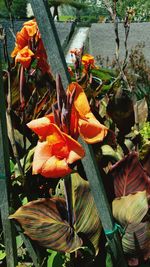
{"points": [[8, 229], [57, 61]]}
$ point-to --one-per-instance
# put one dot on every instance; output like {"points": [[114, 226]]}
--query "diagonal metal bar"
{"points": [[57, 62], [8, 231], [50, 39]]}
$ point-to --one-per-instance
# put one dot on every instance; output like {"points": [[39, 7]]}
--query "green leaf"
{"points": [[130, 209], [103, 74], [12, 165], [131, 213], [142, 110], [19, 241], [108, 151], [45, 221], [145, 130], [26, 162], [2, 254], [87, 220], [109, 260], [55, 259]]}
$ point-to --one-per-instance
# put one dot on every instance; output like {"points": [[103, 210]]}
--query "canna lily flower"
{"points": [[24, 56], [54, 155], [30, 27], [88, 61], [90, 129], [21, 42], [23, 37]]}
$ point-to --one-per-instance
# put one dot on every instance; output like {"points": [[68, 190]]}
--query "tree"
{"points": [[3, 9], [57, 3], [141, 7], [19, 8]]}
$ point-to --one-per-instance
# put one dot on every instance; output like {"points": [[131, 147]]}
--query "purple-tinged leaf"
{"points": [[87, 220], [45, 221], [136, 243], [130, 211], [129, 176]]}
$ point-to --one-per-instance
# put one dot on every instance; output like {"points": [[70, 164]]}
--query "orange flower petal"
{"points": [[91, 130], [15, 51], [80, 102], [41, 126], [76, 151], [47, 164], [30, 27], [21, 40], [55, 168], [87, 59], [41, 155], [74, 123], [24, 57]]}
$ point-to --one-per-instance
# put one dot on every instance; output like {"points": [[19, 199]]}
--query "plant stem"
{"points": [[10, 127], [68, 194]]}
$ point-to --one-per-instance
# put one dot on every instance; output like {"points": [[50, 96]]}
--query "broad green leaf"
{"points": [[130, 209], [136, 243], [103, 74], [45, 220], [87, 220], [130, 212], [129, 176]]}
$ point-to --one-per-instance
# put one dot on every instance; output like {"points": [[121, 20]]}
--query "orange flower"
{"points": [[15, 51], [21, 39], [29, 30], [53, 156], [90, 129], [24, 56], [30, 27], [88, 60]]}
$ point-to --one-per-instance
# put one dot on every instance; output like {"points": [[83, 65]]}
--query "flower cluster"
{"points": [[29, 47], [57, 148]]}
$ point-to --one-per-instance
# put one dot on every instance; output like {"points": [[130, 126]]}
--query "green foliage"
{"points": [[3, 9], [55, 259], [2, 254], [19, 8], [145, 130], [131, 217], [49, 216]]}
